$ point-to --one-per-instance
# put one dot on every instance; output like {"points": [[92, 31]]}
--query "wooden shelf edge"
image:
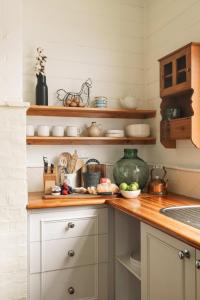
{"points": [[124, 260], [85, 112], [37, 140]]}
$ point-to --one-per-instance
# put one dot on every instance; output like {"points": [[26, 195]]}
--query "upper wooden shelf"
{"points": [[51, 140], [86, 112]]}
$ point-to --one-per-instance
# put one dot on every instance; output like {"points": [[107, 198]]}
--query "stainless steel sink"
{"points": [[189, 215]]}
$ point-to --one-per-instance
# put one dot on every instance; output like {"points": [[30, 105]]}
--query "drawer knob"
{"points": [[186, 253], [71, 253], [71, 225], [181, 254], [198, 264], [71, 290]]}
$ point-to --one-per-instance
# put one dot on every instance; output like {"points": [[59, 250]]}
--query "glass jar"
{"points": [[131, 168]]}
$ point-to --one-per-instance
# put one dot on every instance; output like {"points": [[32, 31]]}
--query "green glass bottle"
{"points": [[131, 168]]}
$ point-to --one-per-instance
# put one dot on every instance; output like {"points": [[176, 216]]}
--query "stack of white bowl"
{"points": [[114, 133]]}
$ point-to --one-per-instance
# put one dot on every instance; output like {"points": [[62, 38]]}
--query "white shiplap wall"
{"points": [[103, 40], [170, 25], [13, 192], [86, 38]]}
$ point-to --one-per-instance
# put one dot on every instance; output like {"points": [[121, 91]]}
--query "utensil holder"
{"points": [[49, 181]]}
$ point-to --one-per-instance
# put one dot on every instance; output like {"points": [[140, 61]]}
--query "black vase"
{"points": [[41, 90]]}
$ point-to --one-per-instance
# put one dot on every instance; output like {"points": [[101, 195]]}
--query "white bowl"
{"points": [[130, 194], [129, 102], [137, 130]]}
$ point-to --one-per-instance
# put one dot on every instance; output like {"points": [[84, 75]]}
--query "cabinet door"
{"points": [[182, 69], [198, 274], [166, 272], [166, 76], [175, 72]]}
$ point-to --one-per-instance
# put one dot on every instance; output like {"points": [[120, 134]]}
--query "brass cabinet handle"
{"points": [[71, 290]]}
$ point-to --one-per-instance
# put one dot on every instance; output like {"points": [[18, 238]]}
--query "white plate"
{"points": [[115, 131], [114, 135]]}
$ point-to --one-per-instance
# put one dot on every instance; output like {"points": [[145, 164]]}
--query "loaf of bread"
{"points": [[107, 188]]}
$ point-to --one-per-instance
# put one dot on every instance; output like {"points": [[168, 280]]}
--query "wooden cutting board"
{"points": [[71, 196]]}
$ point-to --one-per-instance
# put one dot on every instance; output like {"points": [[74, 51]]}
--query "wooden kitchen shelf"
{"points": [[125, 261], [51, 140], [87, 112]]}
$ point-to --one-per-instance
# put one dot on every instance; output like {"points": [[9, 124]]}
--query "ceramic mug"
{"points": [[58, 131], [73, 131], [43, 130], [30, 130]]}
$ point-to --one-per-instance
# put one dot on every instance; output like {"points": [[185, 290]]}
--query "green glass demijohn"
{"points": [[131, 168]]}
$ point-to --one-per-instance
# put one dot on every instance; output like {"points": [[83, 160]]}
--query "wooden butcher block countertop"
{"points": [[145, 208]]}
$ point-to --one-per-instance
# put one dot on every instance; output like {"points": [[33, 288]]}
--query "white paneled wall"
{"points": [[10, 50], [102, 40], [86, 38], [170, 25], [13, 193]]}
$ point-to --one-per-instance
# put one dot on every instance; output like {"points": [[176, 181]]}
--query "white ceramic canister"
{"points": [[30, 130], [72, 179], [73, 131], [58, 131], [43, 130]]}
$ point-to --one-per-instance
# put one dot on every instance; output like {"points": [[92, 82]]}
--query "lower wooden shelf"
{"points": [[51, 140], [125, 261]]}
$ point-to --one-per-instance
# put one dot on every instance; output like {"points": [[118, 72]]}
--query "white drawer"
{"points": [[67, 223], [58, 229], [89, 282], [87, 250]]}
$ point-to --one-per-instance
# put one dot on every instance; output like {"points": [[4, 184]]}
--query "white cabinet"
{"points": [[68, 254], [198, 274], [168, 267]]}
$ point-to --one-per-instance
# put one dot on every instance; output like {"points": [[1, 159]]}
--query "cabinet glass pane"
{"points": [[181, 63], [181, 77], [168, 69], [167, 82]]}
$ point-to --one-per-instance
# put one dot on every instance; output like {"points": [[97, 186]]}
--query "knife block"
{"points": [[49, 181]]}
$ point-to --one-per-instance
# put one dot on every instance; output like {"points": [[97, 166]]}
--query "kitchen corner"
{"points": [[100, 150]]}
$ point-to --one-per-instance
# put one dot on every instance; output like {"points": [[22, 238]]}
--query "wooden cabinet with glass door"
{"points": [[175, 72], [180, 90]]}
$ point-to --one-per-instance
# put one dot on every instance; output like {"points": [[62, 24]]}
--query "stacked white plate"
{"points": [[114, 133]]}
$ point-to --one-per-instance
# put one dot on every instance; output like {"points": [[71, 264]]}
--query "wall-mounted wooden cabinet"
{"points": [[180, 89], [175, 72]]}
